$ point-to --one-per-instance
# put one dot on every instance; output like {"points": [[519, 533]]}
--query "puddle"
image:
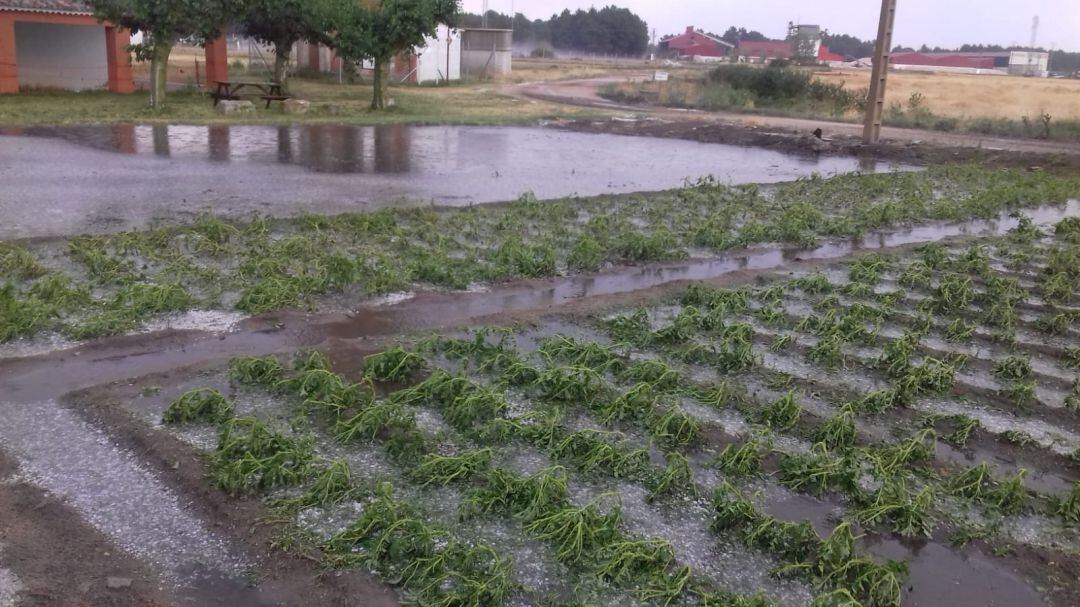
{"points": [[940, 576], [69, 180]]}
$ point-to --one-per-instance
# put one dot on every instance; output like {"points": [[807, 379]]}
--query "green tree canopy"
{"points": [[162, 24], [378, 30], [607, 31], [283, 23]]}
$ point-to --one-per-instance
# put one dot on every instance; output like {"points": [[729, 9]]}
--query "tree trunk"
{"points": [[282, 50], [377, 95], [159, 70]]}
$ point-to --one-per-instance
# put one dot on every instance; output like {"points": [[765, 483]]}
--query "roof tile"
{"points": [[46, 6]]}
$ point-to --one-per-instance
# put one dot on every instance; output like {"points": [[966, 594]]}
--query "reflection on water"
{"points": [[389, 149], [66, 180], [324, 148]]}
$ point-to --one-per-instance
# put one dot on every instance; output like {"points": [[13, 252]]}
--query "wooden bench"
{"points": [[271, 98]]}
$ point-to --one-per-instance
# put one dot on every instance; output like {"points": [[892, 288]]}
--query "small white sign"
{"points": [[660, 76]]}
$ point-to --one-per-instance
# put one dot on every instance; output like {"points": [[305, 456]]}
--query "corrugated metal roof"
{"points": [[74, 7]]}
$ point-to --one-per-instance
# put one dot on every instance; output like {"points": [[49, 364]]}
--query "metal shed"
{"points": [[486, 53]]}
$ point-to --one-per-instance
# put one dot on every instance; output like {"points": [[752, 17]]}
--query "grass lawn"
{"points": [[331, 102]]}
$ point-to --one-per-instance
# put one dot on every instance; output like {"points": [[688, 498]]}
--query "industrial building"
{"points": [[763, 51], [1015, 63]]}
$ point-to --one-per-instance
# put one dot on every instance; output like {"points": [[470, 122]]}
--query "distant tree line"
{"points": [[607, 31]]}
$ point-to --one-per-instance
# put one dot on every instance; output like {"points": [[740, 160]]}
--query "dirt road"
{"points": [[585, 93]]}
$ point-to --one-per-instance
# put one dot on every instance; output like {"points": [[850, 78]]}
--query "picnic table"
{"points": [[230, 89]]}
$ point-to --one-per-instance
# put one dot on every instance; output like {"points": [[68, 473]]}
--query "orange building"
{"points": [[60, 44]]}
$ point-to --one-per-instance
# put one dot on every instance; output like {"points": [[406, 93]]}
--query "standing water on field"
{"points": [[67, 180]]}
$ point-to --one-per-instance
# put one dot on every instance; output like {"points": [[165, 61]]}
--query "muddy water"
{"points": [[70, 180], [938, 575]]}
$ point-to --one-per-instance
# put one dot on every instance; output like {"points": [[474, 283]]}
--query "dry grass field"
{"points": [[970, 96]]}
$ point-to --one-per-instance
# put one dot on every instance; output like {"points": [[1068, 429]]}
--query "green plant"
{"points": [[740, 459], [332, 486], [252, 370], [959, 330], [577, 533], [251, 456], [393, 365], [673, 426], [524, 497], [1069, 508], [586, 255], [475, 406], [1009, 496], [446, 469], [626, 562], [838, 432], [782, 342], [868, 269], [954, 292], [818, 471], [206, 404], [1013, 368], [581, 385], [677, 476], [906, 514], [1057, 288], [1019, 438], [1020, 393], [783, 413], [17, 263]]}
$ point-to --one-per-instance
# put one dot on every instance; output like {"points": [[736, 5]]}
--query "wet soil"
{"points": [[58, 558], [794, 134], [793, 141], [105, 373], [280, 578]]}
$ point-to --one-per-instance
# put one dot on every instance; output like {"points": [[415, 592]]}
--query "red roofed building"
{"points": [[60, 44], [762, 51], [982, 61], [692, 43], [825, 55]]}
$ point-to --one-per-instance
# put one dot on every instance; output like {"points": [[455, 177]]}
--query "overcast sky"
{"points": [[946, 23]]}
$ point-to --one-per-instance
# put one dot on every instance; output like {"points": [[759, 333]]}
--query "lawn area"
{"points": [[331, 102]]}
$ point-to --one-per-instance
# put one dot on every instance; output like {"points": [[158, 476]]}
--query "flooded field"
{"points": [[90, 179], [858, 390], [692, 437]]}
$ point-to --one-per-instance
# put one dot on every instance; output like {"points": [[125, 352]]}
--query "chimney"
{"points": [[689, 29]]}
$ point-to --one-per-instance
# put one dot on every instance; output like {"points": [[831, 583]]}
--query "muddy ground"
{"points": [[96, 380], [58, 558], [793, 141]]}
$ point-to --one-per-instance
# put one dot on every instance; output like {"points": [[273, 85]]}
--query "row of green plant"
{"points": [[261, 264], [392, 538], [834, 463]]}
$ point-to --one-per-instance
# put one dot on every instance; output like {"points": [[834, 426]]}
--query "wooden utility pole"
{"points": [[875, 105]]}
